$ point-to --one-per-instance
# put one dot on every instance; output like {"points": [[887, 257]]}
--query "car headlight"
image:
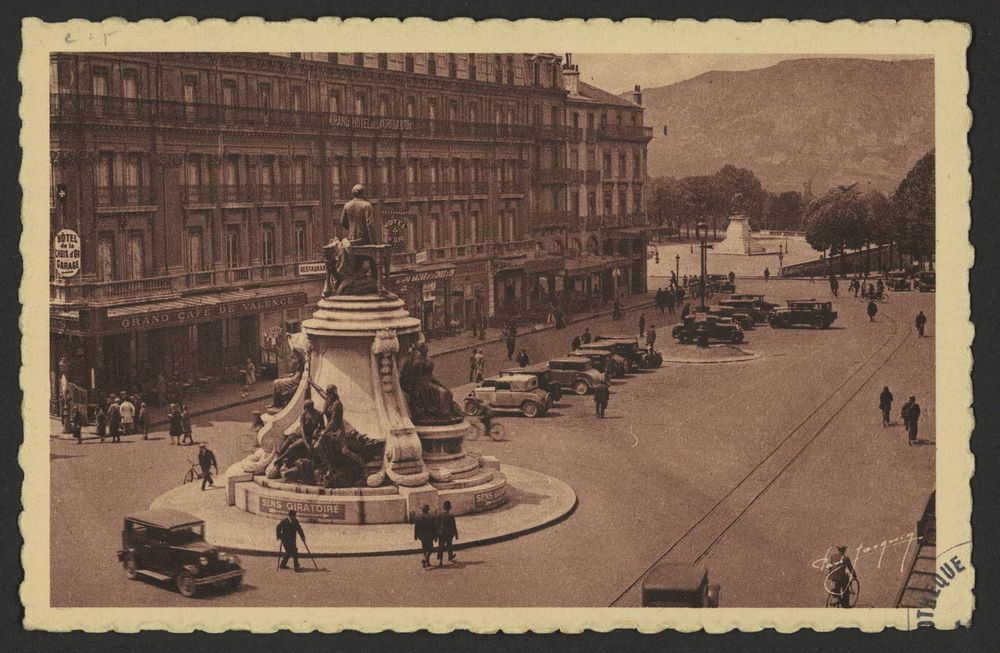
{"points": [[203, 561], [224, 557]]}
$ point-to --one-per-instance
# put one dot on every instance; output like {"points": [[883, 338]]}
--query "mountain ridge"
{"points": [[830, 121]]}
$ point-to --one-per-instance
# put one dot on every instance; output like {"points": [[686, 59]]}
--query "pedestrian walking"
{"points": [[115, 421], [872, 310], [101, 420], [510, 339], [250, 372], [128, 417], [477, 365], [522, 358], [447, 532], [651, 336], [206, 460], [920, 322], [186, 426], [76, 425], [642, 325], [576, 343], [286, 532], [142, 421], [685, 311], [671, 298], [560, 319], [732, 278], [176, 427], [425, 530], [585, 337], [834, 285], [911, 419], [601, 395], [616, 310], [767, 274], [885, 405]]}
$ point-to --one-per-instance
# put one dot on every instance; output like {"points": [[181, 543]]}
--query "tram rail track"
{"points": [[699, 539]]}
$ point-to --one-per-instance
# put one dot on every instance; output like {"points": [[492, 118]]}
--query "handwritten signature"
{"points": [[869, 551]]}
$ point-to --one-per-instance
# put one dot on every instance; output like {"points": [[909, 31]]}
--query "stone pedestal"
{"points": [[738, 238]]}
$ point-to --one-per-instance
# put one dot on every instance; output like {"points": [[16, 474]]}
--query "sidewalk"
{"points": [[230, 395]]}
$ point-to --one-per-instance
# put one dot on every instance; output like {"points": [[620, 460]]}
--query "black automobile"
{"points": [[169, 545], [897, 281], [806, 312], [576, 373], [604, 360], [752, 305], [741, 317], [628, 348], [679, 585], [720, 329], [543, 373], [719, 283], [924, 281]]}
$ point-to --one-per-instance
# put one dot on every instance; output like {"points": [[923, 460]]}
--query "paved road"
{"points": [[755, 468]]}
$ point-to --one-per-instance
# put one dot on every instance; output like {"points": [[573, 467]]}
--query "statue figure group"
{"points": [[349, 273], [429, 400]]}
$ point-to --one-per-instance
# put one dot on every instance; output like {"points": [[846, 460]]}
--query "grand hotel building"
{"points": [[202, 187]]}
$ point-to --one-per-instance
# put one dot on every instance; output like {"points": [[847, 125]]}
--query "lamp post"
{"points": [[677, 274], [781, 261], [701, 233]]}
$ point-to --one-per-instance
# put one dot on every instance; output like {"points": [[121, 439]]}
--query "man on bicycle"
{"points": [[840, 573]]}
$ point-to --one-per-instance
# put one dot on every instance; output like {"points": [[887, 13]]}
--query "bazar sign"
{"points": [[208, 312], [66, 253], [316, 510], [422, 275], [370, 122]]}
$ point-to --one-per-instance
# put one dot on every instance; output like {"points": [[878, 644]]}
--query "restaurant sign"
{"points": [[205, 312], [311, 269], [66, 253]]}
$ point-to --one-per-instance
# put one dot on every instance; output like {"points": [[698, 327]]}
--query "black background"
{"points": [[984, 64]]}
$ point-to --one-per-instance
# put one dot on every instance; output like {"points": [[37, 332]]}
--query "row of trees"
{"points": [[682, 203], [845, 218]]}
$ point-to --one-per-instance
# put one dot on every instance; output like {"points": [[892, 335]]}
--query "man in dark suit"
{"points": [[447, 531], [425, 530], [286, 531]]}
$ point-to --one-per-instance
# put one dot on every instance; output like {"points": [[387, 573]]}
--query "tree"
{"points": [[666, 201], [837, 221], [784, 211], [913, 209], [878, 223]]}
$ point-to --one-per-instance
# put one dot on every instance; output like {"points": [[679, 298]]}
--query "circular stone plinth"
{"points": [[695, 355], [232, 529]]}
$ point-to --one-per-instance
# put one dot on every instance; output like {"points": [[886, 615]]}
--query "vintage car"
{"points": [[576, 373], [628, 348], [602, 359], [169, 545], [720, 283], [723, 329], [514, 393], [740, 317], [807, 312], [679, 585], [752, 305], [544, 375], [924, 281], [897, 281]]}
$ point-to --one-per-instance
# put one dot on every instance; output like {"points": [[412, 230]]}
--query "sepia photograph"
{"points": [[494, 329]]}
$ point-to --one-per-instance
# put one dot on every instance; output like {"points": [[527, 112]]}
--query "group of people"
{"points": [[180, 428], [909, 413], [119, 415], [430, 527], [871, 291], [582, 339]]}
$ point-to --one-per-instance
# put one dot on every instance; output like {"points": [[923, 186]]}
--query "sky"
{"points": [[618, 73]]}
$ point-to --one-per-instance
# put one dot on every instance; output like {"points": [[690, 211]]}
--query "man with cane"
{"points": [[286, 533]]}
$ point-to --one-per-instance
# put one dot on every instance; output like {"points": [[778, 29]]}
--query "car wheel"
{"points": [[581, 388], [819, 322], [472, 408], [530, 409], [736, 338], [235, 583], [131, 571], [497, 433], [185, 584]]}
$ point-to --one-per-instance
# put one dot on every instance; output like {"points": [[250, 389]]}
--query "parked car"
{"points": [[723, 329], [169, 545], [740, 317], [804, 311], [514, 393], [924, 281], [752, 305], [602, 360], [575, 372], [896, 280], [720, 283], [620, 365], [544, 375], [679, 585], [628, 348]]}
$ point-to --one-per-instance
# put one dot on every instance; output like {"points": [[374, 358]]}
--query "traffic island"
{"points": [[714, 354], [533, 501]]}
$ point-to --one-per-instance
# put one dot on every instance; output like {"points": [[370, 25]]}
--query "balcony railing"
{"points": [[125, 196], [555, 176], [95, 108], [557, 133], [624, 220], [236, 193], [303, 192], [625, 132], [198, 194], [551, 219]]}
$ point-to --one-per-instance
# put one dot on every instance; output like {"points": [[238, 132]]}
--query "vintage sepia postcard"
{"points": [[533, 326]]}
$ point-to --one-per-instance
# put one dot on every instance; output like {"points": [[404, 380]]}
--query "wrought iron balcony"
{"points": [[124, 196]]}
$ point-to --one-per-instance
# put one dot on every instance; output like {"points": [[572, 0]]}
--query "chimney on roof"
{"points": [[571, 76], [637, 95]]}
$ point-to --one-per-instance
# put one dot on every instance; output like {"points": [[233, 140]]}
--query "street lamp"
{"points": [[781, 260], [677, 274], [701, 233]]}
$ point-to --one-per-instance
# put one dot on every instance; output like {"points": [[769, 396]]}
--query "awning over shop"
{"points": [[190, 310], [544, 264], [585, 265]]}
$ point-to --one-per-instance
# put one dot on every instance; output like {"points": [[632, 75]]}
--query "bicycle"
{"points": [[193, 474], [834, 592], [484, 424]]}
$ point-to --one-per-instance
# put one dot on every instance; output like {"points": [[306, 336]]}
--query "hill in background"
{"points": [[833, 121]]}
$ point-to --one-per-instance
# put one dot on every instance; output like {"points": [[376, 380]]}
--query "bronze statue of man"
{"points": [[346, 272], [358, 218]]}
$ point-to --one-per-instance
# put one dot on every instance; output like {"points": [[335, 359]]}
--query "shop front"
{"points": [[591, 280], [508, 288], [467, 295], [425, 292]]}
